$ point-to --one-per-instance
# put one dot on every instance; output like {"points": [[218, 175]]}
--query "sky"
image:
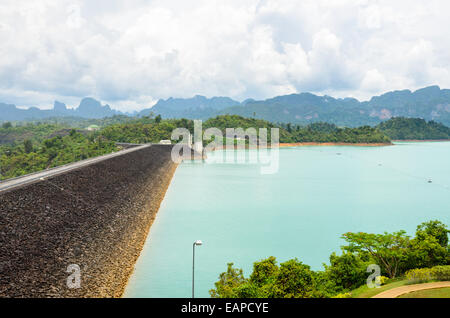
{"points": [[131, 53]]}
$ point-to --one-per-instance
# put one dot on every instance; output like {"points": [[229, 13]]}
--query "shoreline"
{"points": [[422, 140], [140, 245], [303, 144], [306, 144]]}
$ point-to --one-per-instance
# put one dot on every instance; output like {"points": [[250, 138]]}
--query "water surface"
{"points": [[318, 194]]}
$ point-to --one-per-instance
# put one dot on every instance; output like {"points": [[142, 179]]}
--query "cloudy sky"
{"points": [[132, 53]]}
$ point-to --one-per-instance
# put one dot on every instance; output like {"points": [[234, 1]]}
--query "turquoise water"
{"points": [[318, 194]]}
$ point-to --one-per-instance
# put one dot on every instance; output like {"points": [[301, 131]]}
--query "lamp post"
{"points": [[198, 243]]}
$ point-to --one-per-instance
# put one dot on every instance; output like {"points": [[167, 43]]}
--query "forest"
{"points": [[401, 128], [27, 147], [36, 154]]}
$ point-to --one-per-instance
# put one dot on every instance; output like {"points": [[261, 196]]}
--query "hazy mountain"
{"points": [[88, 108], [91, 108], [192, 108], [430, 103]]}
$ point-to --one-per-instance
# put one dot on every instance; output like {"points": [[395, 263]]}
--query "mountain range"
{"points": [[88, 108], [430, 103]]}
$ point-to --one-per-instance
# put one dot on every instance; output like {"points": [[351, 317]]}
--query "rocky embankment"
{"points": [[96, 217]]}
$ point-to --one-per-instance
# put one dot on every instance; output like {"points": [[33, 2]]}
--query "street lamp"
{"points": [[198, 243]]}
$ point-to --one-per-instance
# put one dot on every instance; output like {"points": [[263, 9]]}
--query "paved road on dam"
{"points": [[38, 176]]}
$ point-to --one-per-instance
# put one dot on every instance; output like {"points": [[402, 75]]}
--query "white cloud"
{"points": [[373, 81], [130, 53]]}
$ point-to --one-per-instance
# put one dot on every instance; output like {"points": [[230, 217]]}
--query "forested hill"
{"points": [[401, 128], [34, 147], [153, 130]]}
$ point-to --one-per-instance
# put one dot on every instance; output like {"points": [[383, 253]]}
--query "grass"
{"points": [[429, 293], [366, 292]]}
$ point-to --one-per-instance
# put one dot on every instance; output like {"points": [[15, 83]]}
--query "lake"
{"points": [[319, 193]]}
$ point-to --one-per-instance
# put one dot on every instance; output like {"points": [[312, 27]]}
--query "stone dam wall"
{"points": [[96, 217]]}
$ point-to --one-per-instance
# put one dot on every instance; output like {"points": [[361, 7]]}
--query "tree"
{"points": [[264, 271], [430, 246], [28, 146], [347, 271], [291, 279], [7, 125], [425, 251], [158, 119], [294, 280], [388, 249], [263, 277], [228, 281], [436, 229]]}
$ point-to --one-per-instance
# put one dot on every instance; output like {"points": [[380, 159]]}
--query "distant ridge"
{"points": [[88, 108], [195, 107], [429, 103]]}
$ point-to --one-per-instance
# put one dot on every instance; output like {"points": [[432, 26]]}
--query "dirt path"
{"points": [[395, 292]]}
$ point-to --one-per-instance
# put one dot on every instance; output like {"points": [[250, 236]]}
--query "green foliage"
{"points": [[322, 132], [228, 282], [388, 249], [153, 130], [77, 122], [402, 128], [436, 229], [28, 146], [144, 130], [33, 132], [294, 280], [6, 125], [425, 251], [344, 295], [441, 273], [264, 272], [384, 280], [394, 252], [430, 246], [17, 160], [347, 271], [323, 127], [422, 275], [33, 146]]}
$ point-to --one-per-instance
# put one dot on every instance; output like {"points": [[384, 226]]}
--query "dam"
{"points": [[92, 215]]}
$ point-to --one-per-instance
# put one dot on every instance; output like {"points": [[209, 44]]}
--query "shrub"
{"points": [[345, 295], [441, 272], [294, 280], [419, 275], [383, 280], [422, 275], [347, 271]]}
